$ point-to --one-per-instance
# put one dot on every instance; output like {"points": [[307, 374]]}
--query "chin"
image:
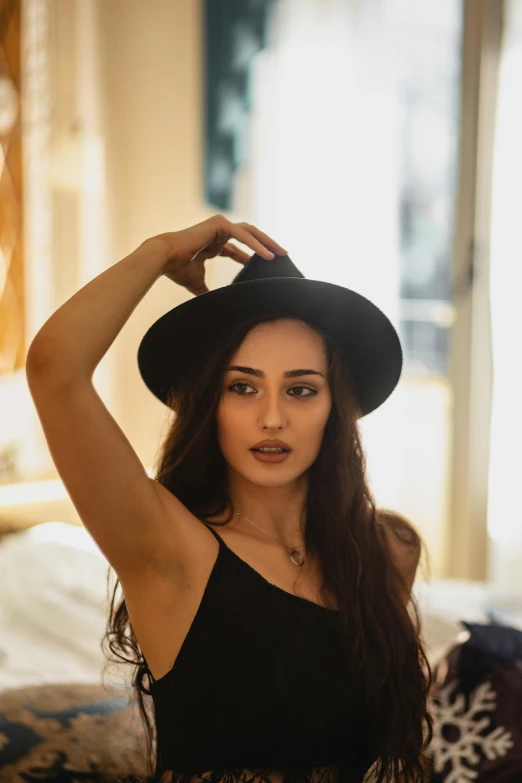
{"points": [[270, 482], [271, 475]]}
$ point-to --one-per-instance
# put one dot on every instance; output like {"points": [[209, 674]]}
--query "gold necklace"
{"points": [[293, 552]]}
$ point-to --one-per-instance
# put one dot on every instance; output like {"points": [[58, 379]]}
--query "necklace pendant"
{"points": [[299, 557]]}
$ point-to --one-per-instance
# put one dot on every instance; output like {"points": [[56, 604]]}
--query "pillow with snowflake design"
{"points": [[476, 704]]}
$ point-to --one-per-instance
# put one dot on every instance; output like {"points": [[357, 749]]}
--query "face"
{"points": [[259, 403]]}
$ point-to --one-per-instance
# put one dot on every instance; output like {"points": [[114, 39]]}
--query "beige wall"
{"points": [[151, 96]]}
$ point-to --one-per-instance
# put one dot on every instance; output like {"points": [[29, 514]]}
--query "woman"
{"points": [[279, 648]]}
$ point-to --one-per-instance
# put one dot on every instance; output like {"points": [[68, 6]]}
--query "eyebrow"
{"points": [[261, 374]]}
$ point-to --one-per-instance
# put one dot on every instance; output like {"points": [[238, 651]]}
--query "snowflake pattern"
{"points": [[464, 752]]}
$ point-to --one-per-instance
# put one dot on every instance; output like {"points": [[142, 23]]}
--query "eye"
{"points": [[233, 388], [312, 391]]}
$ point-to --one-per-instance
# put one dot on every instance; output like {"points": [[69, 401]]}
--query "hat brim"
{"points": [[365, 335]]}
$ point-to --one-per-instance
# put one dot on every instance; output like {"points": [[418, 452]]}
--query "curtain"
{"points": [[234, 31], [504, 513]]}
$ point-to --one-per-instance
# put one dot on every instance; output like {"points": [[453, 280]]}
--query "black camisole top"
{"points": [[260, 690]]}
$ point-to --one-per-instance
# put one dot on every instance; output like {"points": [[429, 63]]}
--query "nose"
{"points": [[272, 411]]}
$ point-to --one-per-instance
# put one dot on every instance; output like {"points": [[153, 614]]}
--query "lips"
{"points": [[270, 447], [271, 444], [270, 456]]}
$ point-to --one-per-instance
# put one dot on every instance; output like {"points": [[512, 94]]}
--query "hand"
{"points": [[187, 250]]}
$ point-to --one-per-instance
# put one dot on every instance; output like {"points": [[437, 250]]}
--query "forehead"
{"points": [[283, 339]]}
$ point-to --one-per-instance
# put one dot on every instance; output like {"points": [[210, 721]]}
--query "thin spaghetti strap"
{"points": [[216, 535]]}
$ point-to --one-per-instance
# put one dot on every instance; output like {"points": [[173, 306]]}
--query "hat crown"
{"points": [[259, 268]]}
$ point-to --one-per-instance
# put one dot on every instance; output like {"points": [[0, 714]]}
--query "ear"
{"points": [[404, 547]]}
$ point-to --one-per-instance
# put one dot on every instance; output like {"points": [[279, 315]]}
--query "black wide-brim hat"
{"points": [[183, 335]]}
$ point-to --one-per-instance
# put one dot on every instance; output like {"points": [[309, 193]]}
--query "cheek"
{"points": [[318, 415], [327, 409], [319, 428], [310, 428], [315, 431], [229, 423]]}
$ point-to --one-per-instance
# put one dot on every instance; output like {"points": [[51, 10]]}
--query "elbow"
{"points": [[45, 364]]}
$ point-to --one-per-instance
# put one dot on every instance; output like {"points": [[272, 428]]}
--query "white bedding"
{"points": [[53, 608]]}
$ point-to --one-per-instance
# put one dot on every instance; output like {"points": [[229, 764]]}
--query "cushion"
{"points": [[67, 732], [476, 703]]}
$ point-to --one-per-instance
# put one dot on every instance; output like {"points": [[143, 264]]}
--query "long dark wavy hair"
{"points": [[344, 531]]}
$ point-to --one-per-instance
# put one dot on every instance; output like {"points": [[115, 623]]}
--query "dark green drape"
{"points": [[234, 32]]}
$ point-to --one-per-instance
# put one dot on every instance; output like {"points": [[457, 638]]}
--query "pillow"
{"points": [[66, 732], [476, 703]]}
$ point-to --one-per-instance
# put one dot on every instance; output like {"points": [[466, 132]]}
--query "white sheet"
{"points": [[53, 607]]}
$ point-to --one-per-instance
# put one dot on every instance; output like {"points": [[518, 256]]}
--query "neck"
{"points": [[280, 511]]}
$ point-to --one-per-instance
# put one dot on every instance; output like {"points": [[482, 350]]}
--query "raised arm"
{"points": [[117, 502]]}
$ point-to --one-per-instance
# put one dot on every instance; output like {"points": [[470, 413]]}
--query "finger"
{"points": [[270, 243], [246, 238], [197, 290], [231, 251]]}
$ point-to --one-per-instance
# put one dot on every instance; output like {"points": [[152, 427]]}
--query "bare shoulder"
{"points": [[403, 544]]}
